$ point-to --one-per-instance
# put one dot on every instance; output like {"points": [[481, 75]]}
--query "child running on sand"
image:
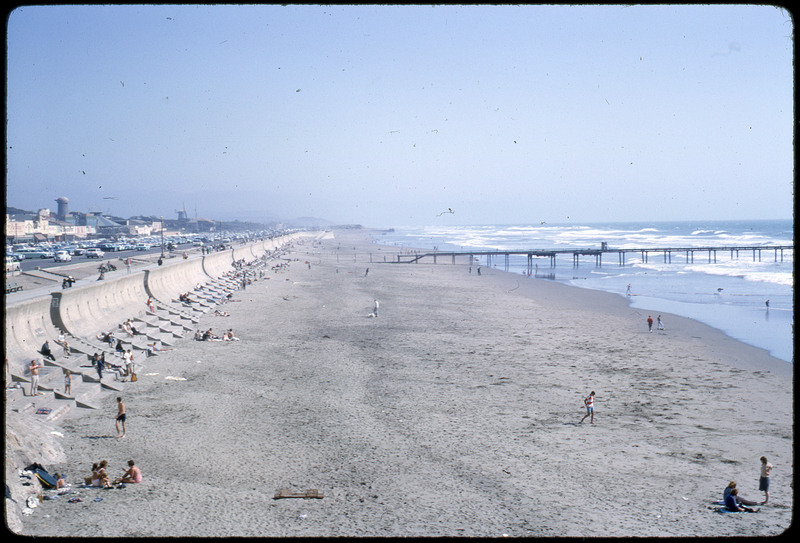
{"points": [[589, 403]]}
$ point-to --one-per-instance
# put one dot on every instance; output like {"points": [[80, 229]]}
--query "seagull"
{"points": [[449, 210]]}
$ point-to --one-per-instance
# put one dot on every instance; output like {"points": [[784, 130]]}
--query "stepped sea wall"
{"points": [[84, 311]]}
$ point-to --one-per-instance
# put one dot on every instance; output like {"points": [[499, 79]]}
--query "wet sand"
{"points": [[455, 412]]}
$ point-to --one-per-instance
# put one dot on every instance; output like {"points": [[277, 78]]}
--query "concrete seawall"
{"points": [[218, 263], [102, 306], [85, 311], [28, 326], [171, 280]]}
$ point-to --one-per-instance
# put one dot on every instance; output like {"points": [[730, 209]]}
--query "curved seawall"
{"points": [[85, 311], [28, 326], [100, 307], [172, 279]]}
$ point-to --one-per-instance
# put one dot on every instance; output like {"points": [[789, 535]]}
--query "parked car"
{"points": [[78, 251], [94, 252], [11, 265], [142, 247], [62, 256], [36, 253]]}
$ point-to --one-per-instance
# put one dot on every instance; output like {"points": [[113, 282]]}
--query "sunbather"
{"points": [[132, 474]]}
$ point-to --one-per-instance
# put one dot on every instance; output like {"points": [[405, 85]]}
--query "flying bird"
{"points": [[449, 210]]}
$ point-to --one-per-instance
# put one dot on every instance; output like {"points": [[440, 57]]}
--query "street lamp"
{"points": [[162, 237]]}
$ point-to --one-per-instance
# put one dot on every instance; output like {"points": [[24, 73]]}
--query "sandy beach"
{"points": [[454, 412]]}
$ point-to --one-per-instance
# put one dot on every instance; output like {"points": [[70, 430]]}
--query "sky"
{"points": [[409, 115]]}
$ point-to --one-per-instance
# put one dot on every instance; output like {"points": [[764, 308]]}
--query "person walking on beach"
{"points": [[588, 401], [34, 368], [628, 291], [68, 383], [649, 323], [659, 325], [763, 481], [375, 309], [121, 416]]}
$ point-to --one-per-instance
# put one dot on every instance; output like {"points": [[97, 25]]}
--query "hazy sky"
{"points": [[390, 115]]}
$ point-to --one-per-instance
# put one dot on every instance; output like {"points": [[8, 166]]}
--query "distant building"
{"points": [[190, 225], [63, 208], [43, 226]]}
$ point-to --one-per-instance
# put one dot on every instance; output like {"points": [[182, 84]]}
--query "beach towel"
{"points": [[726, 510]]}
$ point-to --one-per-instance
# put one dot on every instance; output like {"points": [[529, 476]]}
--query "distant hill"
{"points": [[17, 211], [307, 221]]}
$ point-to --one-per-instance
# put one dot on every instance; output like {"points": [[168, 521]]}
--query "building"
{"points": [[43, 226]]}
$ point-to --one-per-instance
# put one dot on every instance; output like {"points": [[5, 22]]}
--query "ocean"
{"points": [[728, 291]]}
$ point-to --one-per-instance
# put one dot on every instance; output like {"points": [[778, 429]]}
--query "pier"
{"points": [[666, 253]]}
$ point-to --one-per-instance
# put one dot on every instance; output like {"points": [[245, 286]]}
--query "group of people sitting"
{"points": [[48, 353], [730, 496], [185, 298], [60, 340], [128, 328], [106, 337], [208, 335], [100, 478]]}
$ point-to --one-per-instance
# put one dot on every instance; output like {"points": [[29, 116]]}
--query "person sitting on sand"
{"points": [[132, 474], [733, 506], [156, 349], [739, 500], [99, 476], [94, 478], [60, 482]]}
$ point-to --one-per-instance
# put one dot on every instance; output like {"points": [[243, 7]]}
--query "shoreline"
{"points": [[454, 413], [736, 314]]}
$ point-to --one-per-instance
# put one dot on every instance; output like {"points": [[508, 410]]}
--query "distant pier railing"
{"points": [[646, 254]]}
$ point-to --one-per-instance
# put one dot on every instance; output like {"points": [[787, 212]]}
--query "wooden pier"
{"points": [[646, 253]]}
